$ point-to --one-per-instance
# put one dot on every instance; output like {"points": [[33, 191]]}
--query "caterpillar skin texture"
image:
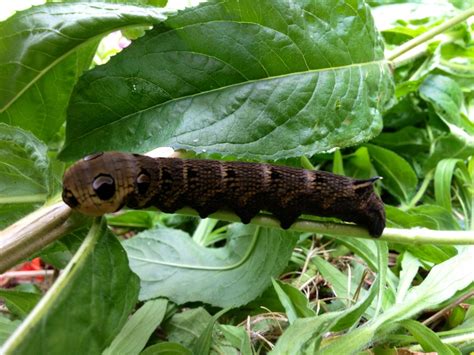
{"points": [[106, 182]]}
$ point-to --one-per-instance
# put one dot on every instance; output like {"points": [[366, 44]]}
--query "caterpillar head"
{"points": [[99, 183]]}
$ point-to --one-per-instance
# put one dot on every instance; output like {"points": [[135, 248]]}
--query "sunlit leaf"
{"points": [[262, 80]]}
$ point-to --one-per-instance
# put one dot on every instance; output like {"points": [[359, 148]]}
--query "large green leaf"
{"points": [[170, 264], [86, 307], [24, 173], [264, 80], [43, 51]]}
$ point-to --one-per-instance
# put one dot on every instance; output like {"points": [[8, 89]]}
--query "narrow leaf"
{"points": [[442, 181], [399, 178], [238, 337], [305, 334], [428, 339], [134, 335], [295, 303], [203, 343], [409, 269], [166, 349]]}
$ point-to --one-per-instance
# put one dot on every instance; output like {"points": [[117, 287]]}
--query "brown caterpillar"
{"points": [[105, 182]]}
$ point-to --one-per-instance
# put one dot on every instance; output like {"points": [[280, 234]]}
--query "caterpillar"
{"points": [[106, 182]]}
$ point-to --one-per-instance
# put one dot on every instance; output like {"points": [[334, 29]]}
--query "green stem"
{"points": [[430, 34], [421, 191], [24, 199], [414, 236], [34, 232]]}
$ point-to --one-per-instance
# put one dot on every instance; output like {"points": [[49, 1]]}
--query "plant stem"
{"points": [[414, 236], [34, 232], [421, 191], [430, 34]]}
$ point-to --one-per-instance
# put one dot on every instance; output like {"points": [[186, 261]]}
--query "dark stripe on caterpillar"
{"points": [[104, 183]]}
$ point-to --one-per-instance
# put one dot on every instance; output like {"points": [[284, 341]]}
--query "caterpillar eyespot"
{"points": [[105, 182], [104, 186]]}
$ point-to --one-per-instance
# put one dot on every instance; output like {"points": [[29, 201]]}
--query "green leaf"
{"points": [[353, 314], [19, 303], [428, 339], [305, 334], [7, 327], [442, 283], [443, 178], [24, 173], [337, 280], [134, 219], [135, 333], [445, 97], [358, 164], [399, 178], [203, 343], [407, 140], [265, 80], [41, 107], [186, 327], [238, 337], [87, 305], [295, 303], [64, 28], [382, 266], [166, 349], [428, 216], [166, 259], [44, 51], [409, 269]]}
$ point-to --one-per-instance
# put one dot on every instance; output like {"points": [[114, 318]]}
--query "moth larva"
{"points": [[105, 182]]}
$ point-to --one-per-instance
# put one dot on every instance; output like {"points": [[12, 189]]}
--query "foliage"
{"points": [[298, 82]]}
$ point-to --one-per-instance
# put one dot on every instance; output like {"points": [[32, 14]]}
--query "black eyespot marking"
{"points": [[70, 199], [93, 156], [143, 182], [104, 186]]}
